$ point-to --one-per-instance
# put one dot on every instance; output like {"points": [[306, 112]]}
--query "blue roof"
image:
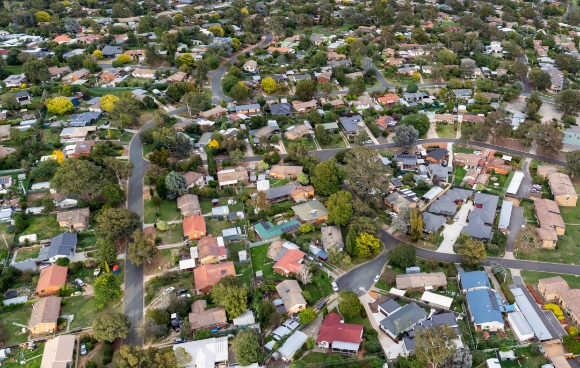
{"points": [[474, 279], [484, 305]]}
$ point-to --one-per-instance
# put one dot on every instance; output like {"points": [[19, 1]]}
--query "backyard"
{"points": [[45, 227], [531, 361], [260, 261], [446, 131], [32, 358], [13, 332], [503, 182], [171, 236], [85, 310], [26, 253], [459, 174], [206, 204], [167, 211], [234, 248], [532, 277], [529, 211], [215, 227], [319, 288], [162, 262]]}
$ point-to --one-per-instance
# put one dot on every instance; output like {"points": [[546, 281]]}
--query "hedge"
{"points": [[508, 293], [572, 344], [554, 308]]}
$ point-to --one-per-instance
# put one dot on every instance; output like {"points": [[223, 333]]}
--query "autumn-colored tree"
{"points": [[416, 224], [217, 31], [187, 59], [108, 102], [236, 43], [98, 54], [42, 16], [472, 251], [59, 105], [213, 144], [124, 58], [366, 245], [269, 85], [58, 155]]}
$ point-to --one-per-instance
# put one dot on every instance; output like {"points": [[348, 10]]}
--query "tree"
{"points": [[232, 295], [412, 88], [305, 90], [435, 344], [415, 224], [36, 71], [304, 275], [130, 356], [142, 248], [403, 255], [77, 177], [10, 102], [573, 160], [473, 251], [367, 63], [349, 304], [568, 100], [269, 85], [110, 326], [117, 223], [364, 168], [176, 185], [550, 139], [159, 157], [59, 105], [340, 208], [181, 355], [177, 90], [246, 347], [237, 155], [406, 136], [539, 79], [419, 122], [419, 36], [357, 86], [98, 54], [533, 104], [240, 92], [196, 102], [461, 358], [107, 288], [326, 178], [42, 16], [295, 151], [306, 316], [122, 169], [106, 253], [71, 25], [108, 102], [366, 245], [125, 111]]}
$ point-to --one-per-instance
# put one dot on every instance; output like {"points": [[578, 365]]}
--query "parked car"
{"points": [[180, 340], [393, 214], [456, 219], [181, 291], [376, 279], [185, 296], [83, 349], [168, 290], [369, 142], [214, 330], [79, 282], [334, 286], [197, 152]]}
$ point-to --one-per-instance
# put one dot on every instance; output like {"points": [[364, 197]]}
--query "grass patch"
{"points": [[445, 131], [532, 277], [13, 332], [359, 320], [314, 359], [308, 142], [116, 91], [50, 136], [215, 227], [337, 142], [234, 248], [14, 69], [260, 261], [531, 361], [460, 172], [528, 211], [45, 227], [85, 310], [462, 149], [86, 240], [244, 274], [147, 149], [32, 358], [279, 182], [175, 235], [26, 253], [126, 137], [167, 211], [156, 285]]}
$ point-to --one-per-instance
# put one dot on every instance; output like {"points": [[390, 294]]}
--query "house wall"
{"points": [[194, 235], [549, 297], [42, 329], [549, 244], [282, 271], [568, 311], [565, 201], [295, 308], [209, 260], [48, 291]]}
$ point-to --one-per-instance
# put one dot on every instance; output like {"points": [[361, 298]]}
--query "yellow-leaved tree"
{"points": [[366, 245], [98, 54], [213, 144], [42, 16], [59, 105], [124, 58], [58, 155], [269, 85], [187, 59], [108, 102], [217, 31]]}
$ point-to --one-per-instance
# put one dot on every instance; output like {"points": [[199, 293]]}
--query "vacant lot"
{"points": [[167, 211], [84, 309], [446, 131], [173, 235], [532, 277], [26, 253], [45, 227]]}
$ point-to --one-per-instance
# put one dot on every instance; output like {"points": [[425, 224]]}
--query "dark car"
{"points": [[181, 291], [180, 340], [321, 304]]}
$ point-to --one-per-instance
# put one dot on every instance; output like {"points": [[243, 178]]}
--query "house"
{"points": [[484, 306], [407, 161], [266, 132], [339, 337], [285, 172], [462, 93], [324, 76], [75, 76], [432, 223], [23, 97], [83, 148], [312, 211], [233, 176], [289, 263], [112, 51], [211, 250], [177, 77], [403, 320], [208, 275], [421, 281], [388, 99], [544, 170], [51, 280], [552, 288], [498, 166], [208, 353], [108, 75], [302, 107], [247, 318], [548, 215], [473, 280], [437, 156], [482, 216], [202, 318], [386, 123], [62, 201], [279, 109], [15, 80], [194, 227], [250, 66], [188, 205], [43, 319], [193, 178], [266, 230], [144, 73], [74, 220], [301, 192], [570, 302], [61, 39], [388, 307], [441, 319], [350, 124], [333, 55], [294, 342], [249, 109], [291, 294], [278, 194], [397, 201], [331, 236], [297, 132], [63, 245], [562, 189], [213, 113], [58, 352]]}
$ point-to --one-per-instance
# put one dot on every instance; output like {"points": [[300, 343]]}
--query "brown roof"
{"points": [[80, 215], [45, 311], [548, 214], [58, 352], [177, 77], [555, 285], [286, 170], [51, 276], [547, 234], [207, 246], [421, 280], [188, 204], [561, 185], [214, 111], [291, 293], [300, 189], [290, 261], [210, 274], [84, 147], [200, 317], [466, 159], [237, 174], [56, 70], [544, 170], [572, 299], [192, 224]]}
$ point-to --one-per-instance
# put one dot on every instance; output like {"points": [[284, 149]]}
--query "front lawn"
{"points": [[308, 142], [462, 149], [32, 358], [337, 142], [460, 172], [162, 262], [174, 235], [260, 261], [84, 309], [167, 211], [359, 320], [445, 131], [26, 253], [13, 332], [314, 359], [532, 277], [157, 284], [45, 227], [126, 137], [215, 227]]}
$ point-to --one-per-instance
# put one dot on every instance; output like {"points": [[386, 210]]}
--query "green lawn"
{"points": [[459, 174], [24, 254], [529, 362], [167, 211], [32, 358], [85, 310], [13, 332], [14, 69], [358, 320], [175, 235], [244, 273], [260, 261], [502, 180], [462, 149], [528, 211], [48, 135], [86, 240], [308, 142], [126, 137], [215, 227], [337, 142], [445, 131], [45, 227], [116, 91], [278, 182], [147, 148], [532, 277], [234, 248], [314, 359], [4, 234]]}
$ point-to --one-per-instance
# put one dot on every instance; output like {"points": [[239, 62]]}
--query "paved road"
{"points": [[526, 186], [360, 280]]}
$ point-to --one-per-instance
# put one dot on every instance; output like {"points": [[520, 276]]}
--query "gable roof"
{"points": [[201, 318], [46, 310], [438, 154], [404, 318], [420, 280], [51, 276], [60, 245], [188, 204], [484, 306], [191, 177], [309, 211], [432, 223], [192, 224], [278, 192], [474, 279], [208, 246], [332, 329], [210, 274], [561, 185], [390, 305], [80, 215], [488, 204], [555, 285], [267, 230], [291, 293], [58, 352]]}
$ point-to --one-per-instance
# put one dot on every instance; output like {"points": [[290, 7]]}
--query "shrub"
{"points": [[554, 308], [573, 331], [108, 353], [91, 364], [508, 293], [572, 344]]}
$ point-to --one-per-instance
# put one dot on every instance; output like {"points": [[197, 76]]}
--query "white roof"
{"points": [[245, 319], [493, 363], [193, 252], [397, 292], [263, 185], [437, 299], [186, 263], [507, 355], [531, 315], [206, 353], [345, 345], [293, 343], [515, 183], [506, 158], [433, 193], [520, 326], [505, 215]]}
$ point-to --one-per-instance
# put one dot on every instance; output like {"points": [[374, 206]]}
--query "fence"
{"points": [[425, 305], [247, 261], [257, 244]]}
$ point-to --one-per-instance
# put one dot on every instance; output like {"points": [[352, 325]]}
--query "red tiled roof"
{"points": [[290, 260], [388, 98], [52, 276], [333, 330], [193, 224], [210, 274]]}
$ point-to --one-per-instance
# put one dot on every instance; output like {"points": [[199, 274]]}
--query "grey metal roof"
{"points": [[432, 193], [350, 123], [432, 222], [531, 315], [404, 318], [60, 245], [390, 305], [112, 50], [486, 213], [281, 109], [278, 192], [476, 228], [505, 215]]}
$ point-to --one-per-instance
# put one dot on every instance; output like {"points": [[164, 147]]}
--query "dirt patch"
{"points": [[150, 230], [510, 143], [554, 349], [515, 201], [159, 264], [95, 351], [549, 112], [274, 249], [146, 193]]}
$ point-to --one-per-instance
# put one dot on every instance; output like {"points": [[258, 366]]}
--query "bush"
{"points": [[363, 313], [508, 293], [554, 308], [573, 331], [572, 344], [108, 353], [63, 261], [91, 364], [298, 354]]}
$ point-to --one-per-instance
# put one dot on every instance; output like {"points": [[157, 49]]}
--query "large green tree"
{"points": [[340, 208], [418, 121], [117, 223], [78, 178], [305, 90], [36, 71], [232, 295], [415, 224], [327, 178], [573, 160], [106, 253], [130, 356], [109, 326], [176, 185], [435, 344], [366, 245], [568, 100], [349, 304], [246, 347], [403, 255], [107, 288], [142, 248], [365, 173], [472, 251]]}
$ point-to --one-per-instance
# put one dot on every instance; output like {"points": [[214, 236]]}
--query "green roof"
{"points": [[266, 230]]}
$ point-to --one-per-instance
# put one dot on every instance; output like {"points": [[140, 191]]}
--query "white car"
{"points": [[196, 152], [377, 277], [201, 149], [184, 296], [168, 290], [83, 349], [334, 286], [456, 219], [369, 142], [393, 214]]}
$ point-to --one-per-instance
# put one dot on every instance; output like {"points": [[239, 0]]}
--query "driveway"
{"points": [[516, 221], [526, 185], [452, 232], [391, 348], [369, 133]]}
